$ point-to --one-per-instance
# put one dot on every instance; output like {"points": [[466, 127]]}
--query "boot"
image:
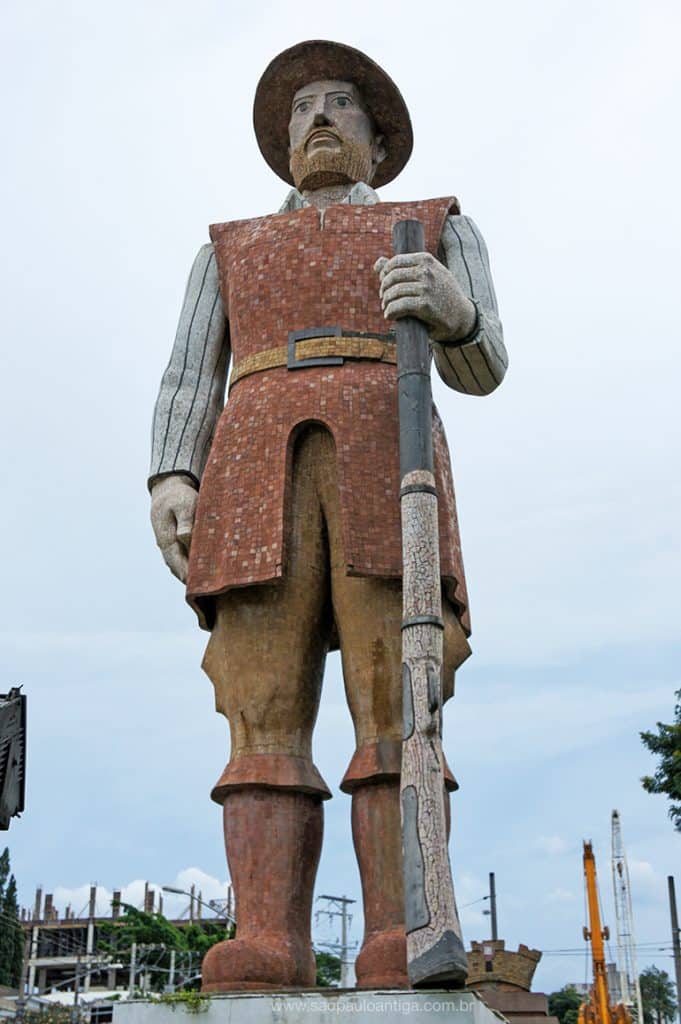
{"points": [[273, 839], [377, 835]]}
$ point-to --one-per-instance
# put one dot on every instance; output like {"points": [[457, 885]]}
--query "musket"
{"points": [[435, 951]]}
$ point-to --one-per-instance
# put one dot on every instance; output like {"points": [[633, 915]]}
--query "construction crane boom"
{"points": [[597, 1010], [630, 986]]}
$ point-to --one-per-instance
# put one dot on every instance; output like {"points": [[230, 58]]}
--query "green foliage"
{"points": [[141, 928], [54, 1014], [10, 910], [11, 936], [565, 1004], [155, 938], [199, 938], [328, 970], [657, 995], [666, 744], [193, 1002]]}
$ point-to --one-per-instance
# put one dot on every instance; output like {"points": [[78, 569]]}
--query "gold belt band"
{"points": [[351, 347]]}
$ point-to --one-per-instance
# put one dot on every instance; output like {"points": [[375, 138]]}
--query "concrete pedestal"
{"points": [[318, 1007]]}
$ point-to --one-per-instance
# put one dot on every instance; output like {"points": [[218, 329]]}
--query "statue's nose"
{"points": [[320, 119]]}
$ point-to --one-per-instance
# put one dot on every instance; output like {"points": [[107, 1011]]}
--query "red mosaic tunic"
{"points": [[291, 272]]}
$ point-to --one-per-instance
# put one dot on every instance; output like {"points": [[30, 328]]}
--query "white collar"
{"points": [[360, 194]]}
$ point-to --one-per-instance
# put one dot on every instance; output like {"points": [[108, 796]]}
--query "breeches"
{"points": [[269, 643]]}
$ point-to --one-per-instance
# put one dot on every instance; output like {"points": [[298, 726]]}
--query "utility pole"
{"points": [[76, 1010], [493, 904], [90, 941], [338, 907], [29, 952], [676, 943], [492, 912], [131, 983]]}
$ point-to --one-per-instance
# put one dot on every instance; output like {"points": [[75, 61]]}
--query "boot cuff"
{"points": [[382, 760], [277, 771]]}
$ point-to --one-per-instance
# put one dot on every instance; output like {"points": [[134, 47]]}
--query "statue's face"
{"points": [[332, 137]]}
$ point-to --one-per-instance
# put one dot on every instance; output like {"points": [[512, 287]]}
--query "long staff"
{"points": [[435, 952]]}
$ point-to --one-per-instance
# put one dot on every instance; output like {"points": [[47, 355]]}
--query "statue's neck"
{"points": [[328, 195]]}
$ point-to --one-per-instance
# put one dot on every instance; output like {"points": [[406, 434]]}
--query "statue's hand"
{"points": [[417, 284], [173, 506]]}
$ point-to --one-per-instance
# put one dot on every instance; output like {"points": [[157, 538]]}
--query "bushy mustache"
{"points": [[327, 129]]}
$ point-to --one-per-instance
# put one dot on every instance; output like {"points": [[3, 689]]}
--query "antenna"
{"points": [[624, 919]]}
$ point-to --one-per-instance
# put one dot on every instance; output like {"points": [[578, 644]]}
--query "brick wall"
{"points": [[491, 962]]}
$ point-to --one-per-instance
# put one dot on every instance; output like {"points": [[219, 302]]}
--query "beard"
{"points": [[351, 162]]}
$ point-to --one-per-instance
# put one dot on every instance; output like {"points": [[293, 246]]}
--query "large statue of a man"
{"points": [[281, 510]]}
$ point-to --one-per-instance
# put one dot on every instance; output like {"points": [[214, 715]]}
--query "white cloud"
{"points": [[174, 905], [78, 899], [647, 885]]}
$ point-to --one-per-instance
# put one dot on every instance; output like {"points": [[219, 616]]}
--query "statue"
{"points": [[281, 511]]}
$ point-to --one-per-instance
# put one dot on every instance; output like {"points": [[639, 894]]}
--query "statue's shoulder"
{"points": [[254, 226], [432, 213], [447, 204]]}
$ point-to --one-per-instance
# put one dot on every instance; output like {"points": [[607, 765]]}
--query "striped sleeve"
{"points": [[192, 390], [477, 365]]}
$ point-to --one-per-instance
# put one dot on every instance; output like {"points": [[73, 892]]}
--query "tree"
{"points": [[10, 918], [155, 938], [11, 936], [666, 744], [657, 995], [565, 1004], [328, 969]]}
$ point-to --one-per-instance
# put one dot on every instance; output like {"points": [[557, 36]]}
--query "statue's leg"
{"points": [[266, 659], [273, 841], [371, 655], [368, 615]]}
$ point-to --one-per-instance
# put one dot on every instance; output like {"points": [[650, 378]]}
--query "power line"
{"points": [[473, 902]]}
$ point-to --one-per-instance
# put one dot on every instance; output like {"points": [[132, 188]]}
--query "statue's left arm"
{"points": [[475, 364], [454, 296]]}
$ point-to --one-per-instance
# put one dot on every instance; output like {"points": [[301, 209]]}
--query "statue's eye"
{"points": [[342, 101], [301, 107]]}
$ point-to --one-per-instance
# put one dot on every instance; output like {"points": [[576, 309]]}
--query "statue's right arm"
{"points": [[190, 400]]}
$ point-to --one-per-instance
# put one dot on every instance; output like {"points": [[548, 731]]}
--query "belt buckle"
{"points": [[293, 363]]}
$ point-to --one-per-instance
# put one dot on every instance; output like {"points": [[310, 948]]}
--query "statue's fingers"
{"points": [[409, 259], [411, 305], [185, 525], [163, 523], [184, 538], [401, 291], [176, 560], [400, 273]]}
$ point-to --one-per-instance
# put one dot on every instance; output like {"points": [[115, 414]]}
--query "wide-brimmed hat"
{"points": [[315, 60]]}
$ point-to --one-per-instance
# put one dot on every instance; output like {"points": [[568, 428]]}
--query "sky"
{"points": [[127, 130]]}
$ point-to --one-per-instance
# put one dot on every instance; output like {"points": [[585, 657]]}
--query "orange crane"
{"points": [[598, 1009]]}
